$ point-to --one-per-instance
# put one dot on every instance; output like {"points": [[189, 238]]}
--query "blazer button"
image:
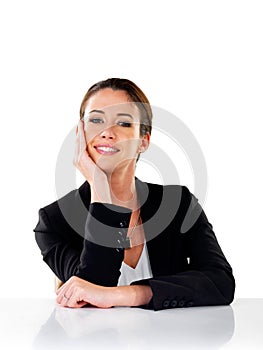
{"points": [[123, 223], [166, 304], [190, 303], [174, 303], [181, 303]]}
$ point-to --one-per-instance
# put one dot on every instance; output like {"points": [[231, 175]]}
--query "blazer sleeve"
{"points": [[208, 279], [98, 260]]}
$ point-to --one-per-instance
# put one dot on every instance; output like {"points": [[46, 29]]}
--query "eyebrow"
{"points": [[118, 114], [124, 115], [96, 111]]}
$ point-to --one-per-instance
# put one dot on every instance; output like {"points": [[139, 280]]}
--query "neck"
{"points": [[123, 189]]}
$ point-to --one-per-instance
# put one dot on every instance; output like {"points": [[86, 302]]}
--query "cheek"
{"points": [[132, 145], [89, 135], [130, 133]]}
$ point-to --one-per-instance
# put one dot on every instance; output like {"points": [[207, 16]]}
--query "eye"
{"points": [[124, 124], [96, 120]]}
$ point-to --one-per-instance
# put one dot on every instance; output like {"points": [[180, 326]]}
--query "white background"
{"points": [[201, 60]]}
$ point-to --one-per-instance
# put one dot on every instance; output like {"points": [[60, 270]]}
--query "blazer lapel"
{"points": [[150, 197]]}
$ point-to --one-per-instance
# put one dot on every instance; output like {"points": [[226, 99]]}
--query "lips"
{"points": [[106, 149]]}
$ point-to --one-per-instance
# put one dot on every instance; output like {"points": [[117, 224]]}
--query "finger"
{"points": [[64, 299], [60, 298], [62, 288], [82, 139], [75, 302], [64, 293], [77, 145], [81, 144], [82, 303]]}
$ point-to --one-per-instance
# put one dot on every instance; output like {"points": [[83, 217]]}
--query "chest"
{"points": [[132, 256]]}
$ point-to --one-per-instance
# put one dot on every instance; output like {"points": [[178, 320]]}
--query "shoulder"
{"points": [[167, 200], [71, 200], [68, 211], [171, 192]]}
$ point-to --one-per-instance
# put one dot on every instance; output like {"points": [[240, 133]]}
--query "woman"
{"points": [[117, 241]]}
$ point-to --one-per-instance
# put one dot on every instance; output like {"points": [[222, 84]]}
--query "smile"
{"points": [[106, 149]]}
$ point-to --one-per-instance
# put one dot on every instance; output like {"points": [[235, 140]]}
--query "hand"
{"points": [[100, 190], [77, 293]]}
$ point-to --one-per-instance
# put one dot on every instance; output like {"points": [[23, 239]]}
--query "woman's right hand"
{"points": [[100, 189]]}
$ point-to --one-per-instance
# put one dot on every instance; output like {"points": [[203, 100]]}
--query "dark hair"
{"points": [[134, 93]]}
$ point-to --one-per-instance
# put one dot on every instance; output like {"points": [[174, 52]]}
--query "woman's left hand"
{"points": [[77, 292]]}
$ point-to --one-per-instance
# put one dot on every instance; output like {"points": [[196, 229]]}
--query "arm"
{"points": [[97, 264], [208, 280], [62, 248], [68, 254]]}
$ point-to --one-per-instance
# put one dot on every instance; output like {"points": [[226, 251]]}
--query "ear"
{"points": [[145, 142]]}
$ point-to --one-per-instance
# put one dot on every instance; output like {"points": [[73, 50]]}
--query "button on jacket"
{"points": [[77, 238]]}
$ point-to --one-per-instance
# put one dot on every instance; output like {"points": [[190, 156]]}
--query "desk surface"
{"points": [[41, 324]]}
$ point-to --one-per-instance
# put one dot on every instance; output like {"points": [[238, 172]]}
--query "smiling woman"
{"points": [[113, 130], [113, 259]]}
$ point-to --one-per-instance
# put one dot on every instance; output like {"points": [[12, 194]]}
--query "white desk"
{"points": [[41, 324]]}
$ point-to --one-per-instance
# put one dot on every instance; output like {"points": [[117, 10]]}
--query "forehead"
{"points": [[111, 101]]}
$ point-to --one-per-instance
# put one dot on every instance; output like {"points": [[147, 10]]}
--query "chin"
{"points": [[106, 165]]}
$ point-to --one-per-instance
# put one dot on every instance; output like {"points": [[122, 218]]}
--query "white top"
{"points": [[142, 270]]}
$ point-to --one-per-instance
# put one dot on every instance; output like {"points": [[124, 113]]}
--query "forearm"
{"points": [[130, 295], [103, 252]]}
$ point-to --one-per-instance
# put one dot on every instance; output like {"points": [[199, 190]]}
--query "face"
{"points": [[112, 131]]}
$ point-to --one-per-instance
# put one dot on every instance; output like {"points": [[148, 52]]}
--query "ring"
{"points": [[65, 297]]}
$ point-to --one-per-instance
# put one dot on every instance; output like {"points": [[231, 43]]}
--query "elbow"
{"points": [[230, 289], [224, 282]]}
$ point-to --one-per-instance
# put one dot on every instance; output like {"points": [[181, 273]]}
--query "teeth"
{"points": [[107, 149]]}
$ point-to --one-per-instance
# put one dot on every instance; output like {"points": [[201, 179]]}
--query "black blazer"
{"points": [[188, 265]]}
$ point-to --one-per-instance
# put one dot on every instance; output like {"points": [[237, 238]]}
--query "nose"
{"points": [[108, 133]]}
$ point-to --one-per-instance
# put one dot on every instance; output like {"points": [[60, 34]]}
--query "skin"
{"points": [[113, 122]]}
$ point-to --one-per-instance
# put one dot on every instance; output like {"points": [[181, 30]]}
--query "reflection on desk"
{"points": [[41, 324], [133, 328]]}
